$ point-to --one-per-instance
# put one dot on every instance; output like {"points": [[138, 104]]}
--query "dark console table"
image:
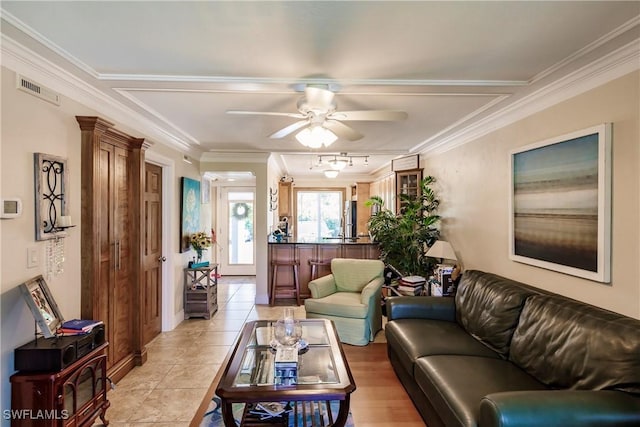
{"points": [[71, 397]]}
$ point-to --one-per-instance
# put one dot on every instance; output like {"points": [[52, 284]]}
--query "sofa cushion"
{"points": [[569, 344], [341, 304], [414, 338], [455, 385], [352, 275], [488, 307]]}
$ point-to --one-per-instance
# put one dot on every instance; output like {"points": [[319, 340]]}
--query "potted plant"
{"points": [[405, 237]]}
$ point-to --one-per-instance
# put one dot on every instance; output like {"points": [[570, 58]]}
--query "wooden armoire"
{"points": [[112, 240]]}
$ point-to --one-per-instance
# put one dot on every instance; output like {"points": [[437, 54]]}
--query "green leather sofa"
{"points": [[502, 353]]}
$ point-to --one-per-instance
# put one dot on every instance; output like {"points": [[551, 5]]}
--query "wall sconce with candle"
{"points": [[51, 211]]}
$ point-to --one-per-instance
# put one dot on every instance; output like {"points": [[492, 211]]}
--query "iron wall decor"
{"points": [[560, 204], [189, 211], [51, 180]]}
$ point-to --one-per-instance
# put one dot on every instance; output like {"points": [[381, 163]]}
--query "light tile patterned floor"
{"points": [[168, 388]]}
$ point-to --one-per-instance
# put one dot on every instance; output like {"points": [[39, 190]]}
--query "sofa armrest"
{"points": [[560, 408], [418, 307], [370, 291], [323, 286]]}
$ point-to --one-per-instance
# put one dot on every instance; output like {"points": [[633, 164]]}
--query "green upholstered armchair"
{"points": [[350, 296]]}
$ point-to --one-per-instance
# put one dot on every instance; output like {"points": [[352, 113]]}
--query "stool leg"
{"points": [[297, 283], [272, 297]]}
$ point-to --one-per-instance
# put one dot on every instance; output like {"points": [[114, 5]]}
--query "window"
{"points": [[319, 213]]}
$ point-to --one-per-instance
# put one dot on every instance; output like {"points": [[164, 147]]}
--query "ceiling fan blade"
{"points": [[289, 129], [342, 130], [267, 113], [318, 98], [371, 115]]}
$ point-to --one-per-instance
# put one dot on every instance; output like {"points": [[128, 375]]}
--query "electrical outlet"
{"points": [[32, 257]]}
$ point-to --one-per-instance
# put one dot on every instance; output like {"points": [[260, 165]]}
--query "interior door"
{"points": [[236, 231], [151, 304]]}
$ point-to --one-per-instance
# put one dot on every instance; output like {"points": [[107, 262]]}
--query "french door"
{"points": [[236, 231]]}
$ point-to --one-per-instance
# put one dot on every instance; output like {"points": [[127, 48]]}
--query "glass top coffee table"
{"points": [[323, 373]]}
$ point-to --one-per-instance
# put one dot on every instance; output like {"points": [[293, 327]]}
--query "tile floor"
{"points": [[167, 390]]}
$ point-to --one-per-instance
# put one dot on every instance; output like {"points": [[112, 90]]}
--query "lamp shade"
{"points": [[442, 250], [330, 173]]}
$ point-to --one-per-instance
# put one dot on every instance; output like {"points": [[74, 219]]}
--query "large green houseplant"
{"points": [[405, 237]]}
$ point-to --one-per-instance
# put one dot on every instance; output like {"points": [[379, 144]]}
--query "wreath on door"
{"points": [[240, 211]]}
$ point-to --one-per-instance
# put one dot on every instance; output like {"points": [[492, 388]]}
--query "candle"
{"points": [[64, 221]]}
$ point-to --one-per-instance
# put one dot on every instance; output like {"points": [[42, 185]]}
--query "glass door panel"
{"points": [[239, 258]]}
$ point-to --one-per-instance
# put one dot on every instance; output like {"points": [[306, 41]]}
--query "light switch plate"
{"points": [[32, 257]]}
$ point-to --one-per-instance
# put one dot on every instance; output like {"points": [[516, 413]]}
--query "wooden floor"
{"points": [[379, 399]]}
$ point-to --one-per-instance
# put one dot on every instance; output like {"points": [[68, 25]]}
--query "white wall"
{"points": [[30, 125], [474, 184]]}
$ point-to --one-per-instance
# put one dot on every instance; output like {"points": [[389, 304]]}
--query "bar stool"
{"points": [[275, 265], [314, 267]]}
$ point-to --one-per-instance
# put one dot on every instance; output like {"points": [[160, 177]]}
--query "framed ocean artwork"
{"points": [[560, 204], [189, 211]]}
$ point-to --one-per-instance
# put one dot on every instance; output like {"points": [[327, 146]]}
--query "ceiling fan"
{"points": [[317, 108]]}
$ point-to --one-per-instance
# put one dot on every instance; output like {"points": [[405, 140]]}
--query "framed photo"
{"points": [[560, 204], [405, 163], [42, 305], [189, 211]]}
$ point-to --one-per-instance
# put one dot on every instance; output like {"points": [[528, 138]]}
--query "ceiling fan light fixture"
{"points": [[316, 137], [331, 173]]}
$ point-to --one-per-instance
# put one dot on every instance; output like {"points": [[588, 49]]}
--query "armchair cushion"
{"points": [[342, 304], [352, 275]]}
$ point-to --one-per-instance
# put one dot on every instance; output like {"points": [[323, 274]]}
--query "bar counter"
{"points": [[312, 260]]}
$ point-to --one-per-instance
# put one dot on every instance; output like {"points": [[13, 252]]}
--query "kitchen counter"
{"points": [[313, 259], [324, 241]]}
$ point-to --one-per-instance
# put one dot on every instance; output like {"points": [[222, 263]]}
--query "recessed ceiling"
{"points": [[173, 69]]}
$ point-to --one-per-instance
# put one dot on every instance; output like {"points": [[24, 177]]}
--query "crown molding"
{"points": [[26, 29], [21, 59], [616, 64]]}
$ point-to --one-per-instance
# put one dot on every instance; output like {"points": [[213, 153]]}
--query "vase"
{"points": [[199, 255]]}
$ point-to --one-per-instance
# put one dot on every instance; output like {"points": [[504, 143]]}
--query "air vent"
{"points": [[29, 86]]}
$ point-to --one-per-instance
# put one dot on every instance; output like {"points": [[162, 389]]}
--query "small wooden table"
{"points": [[323, 372]]}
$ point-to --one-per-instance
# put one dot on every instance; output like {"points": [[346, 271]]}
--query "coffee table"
{"points": [[323, 372]]}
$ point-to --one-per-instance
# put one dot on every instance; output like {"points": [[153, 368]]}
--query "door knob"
{"points": [[162, 258]]}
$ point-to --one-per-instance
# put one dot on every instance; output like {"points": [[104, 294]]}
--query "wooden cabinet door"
{"points": [[122, 296], [285, 204]]}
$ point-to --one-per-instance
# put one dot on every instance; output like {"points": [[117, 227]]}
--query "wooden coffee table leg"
{"points": [[343, 412], [227, 414]]}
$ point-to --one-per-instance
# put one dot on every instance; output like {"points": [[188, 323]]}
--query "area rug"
{"points": [[213, 416]]}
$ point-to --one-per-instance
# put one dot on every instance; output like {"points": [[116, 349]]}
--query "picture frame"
{"points": [[43, 306], [189, 211], [51, 181], [560, 204]]}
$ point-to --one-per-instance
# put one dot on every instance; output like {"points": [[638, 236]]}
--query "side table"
{"points": [[201, 291]]}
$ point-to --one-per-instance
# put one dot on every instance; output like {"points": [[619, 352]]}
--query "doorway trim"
{"points": [[169, 319]]}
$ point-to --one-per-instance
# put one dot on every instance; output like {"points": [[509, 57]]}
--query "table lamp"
{"points": [[442, 250]]}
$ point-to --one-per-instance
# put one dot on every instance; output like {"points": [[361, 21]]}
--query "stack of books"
{"points": [[78, 327], [411, 285]]}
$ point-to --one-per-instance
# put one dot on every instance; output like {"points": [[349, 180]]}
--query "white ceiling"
{"points": [[172, 69]]}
